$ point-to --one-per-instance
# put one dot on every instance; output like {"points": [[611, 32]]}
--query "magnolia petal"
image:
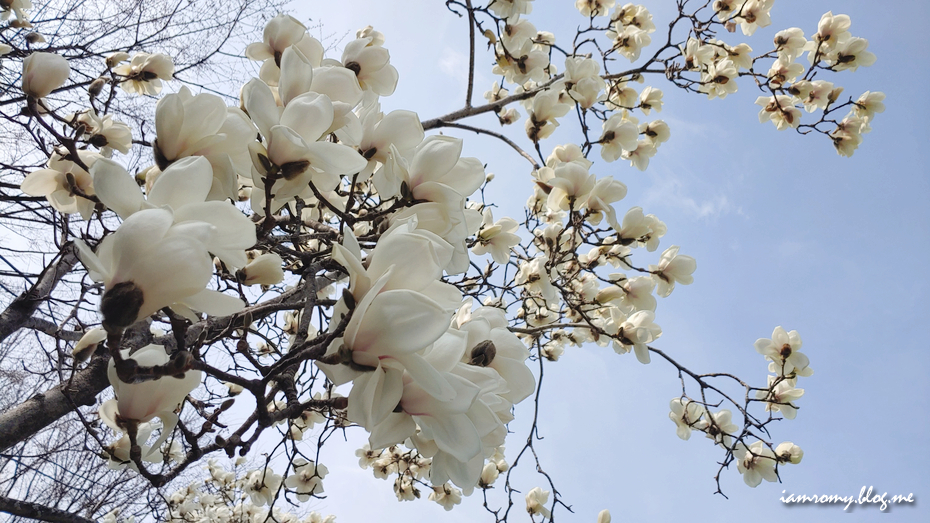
{"points": [[214, 303], [41, 182], [394, 429], [454, 434], [296, 74], [435, 157], [374, 396], [400, 321], [116, 188], [335, 158], [184, 182], [427, 377], [338, 83], [260, 104], [309, 115]]}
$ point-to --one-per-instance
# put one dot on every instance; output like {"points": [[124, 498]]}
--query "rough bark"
{"points": [[26, 509], [21, 422], [23, 307]]}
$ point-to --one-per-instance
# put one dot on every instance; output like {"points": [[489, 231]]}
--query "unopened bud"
{"points": [[96, 87]]}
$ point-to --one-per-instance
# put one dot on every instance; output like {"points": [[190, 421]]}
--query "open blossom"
{"points": [[371, 64], [779, 397], [56, 180], [103, 132], [784, 349], [307, 479], [720, 79], [790, 44], [262, 486], [848, 135], [755, 14], [869, 103], [43, 73], [280, 33], [146, 400], [755, 463], [145, 72], [718, 426], [150, 263], [496, 238], [184, 188], [202, 125], [629, 41], [618, 134], [639, 157], [851, 54], [831, 31], [446, 495], [536, 500], [594, 7], [672, 268], [686, 414], [780, 110], [788, 452], [649, 99]]}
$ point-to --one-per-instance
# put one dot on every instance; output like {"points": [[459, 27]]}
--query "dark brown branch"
{"points": [[25, 509]]}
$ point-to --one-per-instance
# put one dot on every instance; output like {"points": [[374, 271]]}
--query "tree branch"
{"points": [[26, 509]]}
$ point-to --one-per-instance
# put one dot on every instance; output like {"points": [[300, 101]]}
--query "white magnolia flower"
{"points": [[718, 426], [371, 64], [150, 263], [672, 268], [780, 110], [851, 54], [144, 73], [831, 31], [307, 479], [511, 9], [603, 516], [778, 398], [103, 132], [784, 349], [496, 238], [536, 500], [629, 40], [719, 79], [262, 486], [202, 125], [594, 7], [755, 14], [489, 475], [55, 183], [446, 495], [650, 98], [870, 103], [280, 33], [639, 157], [183, 187], [88, 343], [790, 44], [687, 415], [43, 73], [755, 463], [618, 134], [788, 452], [146, 400]]}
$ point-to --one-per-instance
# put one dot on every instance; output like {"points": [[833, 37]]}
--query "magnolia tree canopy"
{"points": [[233, 274]]}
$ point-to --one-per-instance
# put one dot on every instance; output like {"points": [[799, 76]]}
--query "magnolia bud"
{"points": [[43, 73], [96, 87]]}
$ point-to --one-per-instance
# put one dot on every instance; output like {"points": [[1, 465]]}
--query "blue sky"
{"points": [[785, 232]]}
